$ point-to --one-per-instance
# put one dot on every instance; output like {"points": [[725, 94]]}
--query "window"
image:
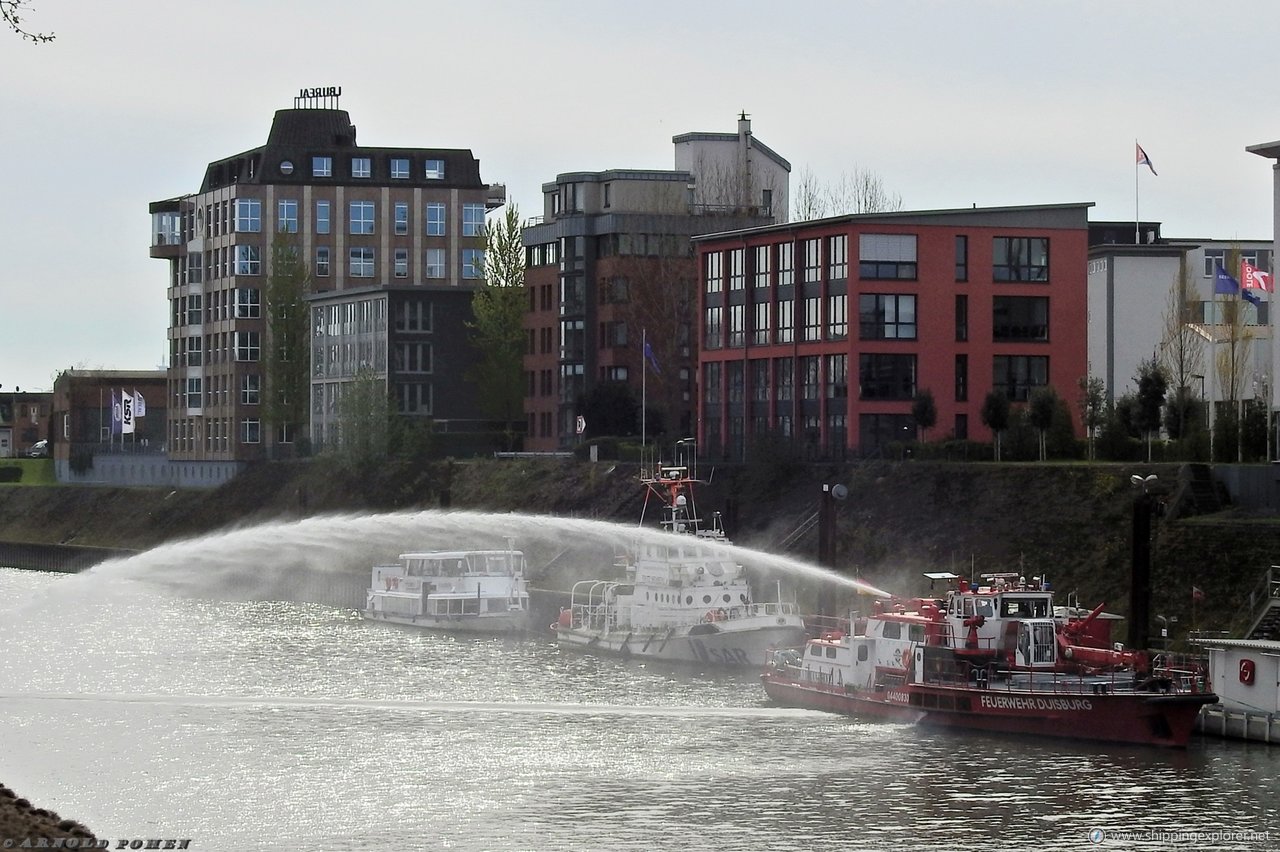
{"points": [[402, 219], [812, 260], [737, 326], [1213, 258], [760, 380], [712, 393], [838, 257], [962, 258], [887, 256], [248, 215], [195, 352], [435, 220], [1020, 318], [250, 431], [764, 258], [248, 346], [399, 168], [472, 220], [194, 308], [712, 328], [287, 216], [195, 396], [962, 318], [837, 376], [472, 263], [434, 262], [784, 377], [884, 376], [607, 193], [737, 269], [886, 317], [786, 320], [760, 333], [322, 217], [361, 263], [434, 170], [1020, 259], [962, 379], [401, 263], [322, 261], [361, 167], [248, 260], [715, 272], [361, 217], [1018, 375], [615, 374], [412, 357], [248, 303], [250, 389], [809, 385], [786, 264], [322, 166], [837, 317], [812, 318]]}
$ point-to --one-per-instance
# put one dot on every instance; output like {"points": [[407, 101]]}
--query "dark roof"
{"points": [[297, 135]]}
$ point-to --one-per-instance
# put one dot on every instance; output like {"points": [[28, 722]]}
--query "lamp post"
{"points": [[1140, 568]]}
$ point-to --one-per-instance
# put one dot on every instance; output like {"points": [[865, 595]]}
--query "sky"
{"points": [[950, 104]]}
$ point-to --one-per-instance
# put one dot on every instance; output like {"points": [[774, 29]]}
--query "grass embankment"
{"points": [[27, 472]]}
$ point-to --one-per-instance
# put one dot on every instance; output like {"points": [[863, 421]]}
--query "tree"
{"points": [[860, 192], [11, 12], [995, 415], [610, 408], [1182, 353], [364, 418], [498, 329], [288, 358], [1231, 361], [1040, 413], [1152, 386], [1093, 404], [924, 412]]}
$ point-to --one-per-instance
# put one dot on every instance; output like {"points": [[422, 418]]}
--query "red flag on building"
{"points": [[1196, 594], [1253, 278]]}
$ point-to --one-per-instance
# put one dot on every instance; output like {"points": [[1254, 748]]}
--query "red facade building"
{"points": [[826, 331]]}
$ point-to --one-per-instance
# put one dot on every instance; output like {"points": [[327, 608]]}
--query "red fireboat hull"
{"points": [[1138, 718]]}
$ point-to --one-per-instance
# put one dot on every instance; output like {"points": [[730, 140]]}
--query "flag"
{"points": [[1250, 296], [1196, 594], [651, 358], [1144, 160], [1224, 283], [139, 404], [117, 419], [126, 412], [1253, 278]]}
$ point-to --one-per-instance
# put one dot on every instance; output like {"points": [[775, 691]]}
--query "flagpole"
{"points": [[644, 391], [1137, 219]]}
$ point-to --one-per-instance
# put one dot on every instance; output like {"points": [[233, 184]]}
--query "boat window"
{"points": [[1015, 608], [706, 598], [984, 607], [689, 599], [892, 630], [728, 599], [831, 652], [815, 650], [1040, 608], [917, 632], [862, 653]]}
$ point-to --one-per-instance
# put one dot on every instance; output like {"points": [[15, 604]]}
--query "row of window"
{"points": [[360, 217], [183, 433], [361, 168], [881, 316], [881, 376], [880, 257], [246, 260]]}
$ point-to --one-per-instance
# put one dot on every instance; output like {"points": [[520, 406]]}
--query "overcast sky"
{"points": [[951, 104]]}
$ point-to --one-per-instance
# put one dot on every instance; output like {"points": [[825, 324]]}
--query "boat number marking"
{"points": [[1010, 702], [897, 697], [724, 656]]}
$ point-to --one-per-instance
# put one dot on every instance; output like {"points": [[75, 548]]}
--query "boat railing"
{"points": [[995, 678], [758, 609]]}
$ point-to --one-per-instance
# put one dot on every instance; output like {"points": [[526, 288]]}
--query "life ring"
{"points": [[387, 580], [721, 615], [709, 617]]}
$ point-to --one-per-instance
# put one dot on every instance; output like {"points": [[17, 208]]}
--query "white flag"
{"points": [[126, 412], [139, 404]]}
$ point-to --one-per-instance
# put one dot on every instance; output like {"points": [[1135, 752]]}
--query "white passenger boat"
{"points": [[476, 591], [682, 598]]}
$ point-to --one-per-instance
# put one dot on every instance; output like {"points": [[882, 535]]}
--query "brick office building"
{"points": [[825, 331]]}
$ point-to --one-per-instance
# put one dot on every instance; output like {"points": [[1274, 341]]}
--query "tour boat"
{"points": [[682, 598], [475, 591], [992, 658]]}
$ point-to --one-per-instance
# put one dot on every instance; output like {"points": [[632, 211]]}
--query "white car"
{"points": [[39, 450]]}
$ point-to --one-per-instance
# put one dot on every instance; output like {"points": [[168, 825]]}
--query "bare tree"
{"points": [[1233, 342], [1182, 347], [859, 191], [11, 11]]}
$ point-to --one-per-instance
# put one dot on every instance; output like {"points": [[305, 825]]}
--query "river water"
{"points": [[149, 712]]}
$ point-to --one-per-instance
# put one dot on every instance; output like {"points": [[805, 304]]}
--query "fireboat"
{"points": [[682, 597], [993, 657]]}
